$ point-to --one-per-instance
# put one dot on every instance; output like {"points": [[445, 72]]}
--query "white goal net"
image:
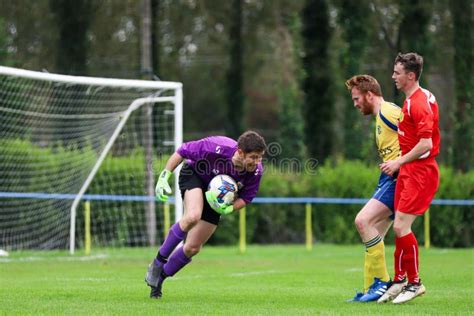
{"points": [[65, 140]]}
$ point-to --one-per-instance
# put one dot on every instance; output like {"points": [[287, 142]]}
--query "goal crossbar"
{"points": [[91, 81]]}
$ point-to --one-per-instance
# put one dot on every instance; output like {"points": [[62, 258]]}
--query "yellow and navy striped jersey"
{"points": [[386, 131]]}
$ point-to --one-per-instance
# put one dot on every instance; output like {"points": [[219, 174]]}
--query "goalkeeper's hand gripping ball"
{"points": [[222, 209], [221, 194]]}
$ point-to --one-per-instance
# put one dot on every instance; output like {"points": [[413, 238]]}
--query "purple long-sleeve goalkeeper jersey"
{"points": [[211, 156]]}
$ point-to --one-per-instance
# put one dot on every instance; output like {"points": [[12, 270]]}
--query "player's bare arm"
{"points": [[173, 162]]}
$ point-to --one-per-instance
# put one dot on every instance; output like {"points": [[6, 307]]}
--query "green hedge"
{"points": [[451, 226], [42, 169], [123, 223]]}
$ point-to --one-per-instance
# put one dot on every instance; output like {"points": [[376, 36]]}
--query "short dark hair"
{"points": [[251, 141], [364, 83], [412, 62]]}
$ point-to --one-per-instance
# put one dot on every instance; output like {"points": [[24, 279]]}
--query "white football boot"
{"points": [[410, 291], [393, 291]]}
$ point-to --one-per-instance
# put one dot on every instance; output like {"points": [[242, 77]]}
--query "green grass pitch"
{"points": [[266, 280]]}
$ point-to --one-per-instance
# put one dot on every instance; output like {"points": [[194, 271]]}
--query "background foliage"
{"points": [[275, 66], [335, 223], [266, 223]]}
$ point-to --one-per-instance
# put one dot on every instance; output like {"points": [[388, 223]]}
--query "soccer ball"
{"points": [[225, 189]]}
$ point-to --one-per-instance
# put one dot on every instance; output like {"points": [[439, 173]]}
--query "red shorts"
{"points": [[417, 184]]}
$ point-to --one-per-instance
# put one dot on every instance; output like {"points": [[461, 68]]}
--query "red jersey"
{"points": [[419, 119]]}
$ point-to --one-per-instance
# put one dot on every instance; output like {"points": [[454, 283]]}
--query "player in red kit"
{"points": [[418, 178]]}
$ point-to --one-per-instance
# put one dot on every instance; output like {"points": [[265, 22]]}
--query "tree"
{"points": [[413, 30], [147, 117], [353, 19], [3, 43], [26, 48], [463, 149], [155, 39], [73, 19], [405, 29], [235, 96], [291, 135], [318, 103]]}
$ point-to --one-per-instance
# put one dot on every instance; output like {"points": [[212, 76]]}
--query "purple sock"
{"points": [[175, 236], [176, 262]]}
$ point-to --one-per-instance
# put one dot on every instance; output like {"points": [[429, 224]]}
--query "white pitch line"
{"points": [[33, 259], [252, 273], [231, 275]]}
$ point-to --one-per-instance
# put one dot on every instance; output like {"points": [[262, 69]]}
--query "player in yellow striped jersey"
{"points": [[375, 218]]}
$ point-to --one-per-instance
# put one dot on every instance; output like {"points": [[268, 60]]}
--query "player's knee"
{"points": [[399, 229], [192, 250], [360, 223], [190, 220]]}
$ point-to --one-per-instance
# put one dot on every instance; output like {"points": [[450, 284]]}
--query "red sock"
{"points": [[409, 257], [400, 271]]}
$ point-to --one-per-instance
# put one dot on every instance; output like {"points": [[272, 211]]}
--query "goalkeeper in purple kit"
{"points": [[204, 159]]}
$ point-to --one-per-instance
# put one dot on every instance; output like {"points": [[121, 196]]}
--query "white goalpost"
{"points": [[64, 139]]}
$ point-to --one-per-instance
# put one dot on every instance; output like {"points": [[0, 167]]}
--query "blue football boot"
{"points": [[356, 298], [376, 290]]}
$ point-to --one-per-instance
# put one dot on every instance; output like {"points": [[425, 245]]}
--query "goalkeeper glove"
{"points": [[223, 209], [163, 185]]}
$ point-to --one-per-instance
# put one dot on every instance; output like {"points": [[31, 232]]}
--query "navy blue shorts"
{"points": [[385, 191]]}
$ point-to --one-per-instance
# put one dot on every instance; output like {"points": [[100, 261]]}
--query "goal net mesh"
{"points": [[53, 130]]}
